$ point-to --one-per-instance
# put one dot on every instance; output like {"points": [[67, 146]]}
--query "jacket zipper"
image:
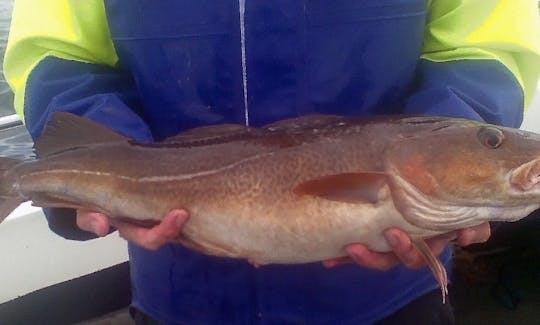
{"points": [[242, 9]]}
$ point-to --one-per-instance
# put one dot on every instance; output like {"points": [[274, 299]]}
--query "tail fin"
{"points": [[8, 199]]}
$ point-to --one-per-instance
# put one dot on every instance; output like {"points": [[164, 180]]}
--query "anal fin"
{"points": [[7, 205], [437, 268], [45, 200]]}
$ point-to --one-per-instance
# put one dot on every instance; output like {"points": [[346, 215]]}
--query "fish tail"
{"points": [[9, 199]]}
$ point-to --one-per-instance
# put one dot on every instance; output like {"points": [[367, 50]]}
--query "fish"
{"points": [[294, 191]]}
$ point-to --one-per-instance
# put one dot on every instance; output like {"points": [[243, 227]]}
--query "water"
{"points": [[14, 141], [6, 96]]}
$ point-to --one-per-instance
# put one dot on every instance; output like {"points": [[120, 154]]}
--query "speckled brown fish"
{"points": [[295, 191]]}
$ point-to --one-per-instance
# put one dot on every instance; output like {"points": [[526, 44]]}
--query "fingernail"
{"points": [[357, 258], [452, 236], [392, 238], [329, 264], [468, 236], [180, 220], [94, 226]]}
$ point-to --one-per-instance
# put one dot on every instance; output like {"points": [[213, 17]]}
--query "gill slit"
{"points": [[440, 215], [431, 213]]}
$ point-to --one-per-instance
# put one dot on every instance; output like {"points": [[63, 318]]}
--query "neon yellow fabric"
{"points": [[68, 29], [503, 30]]}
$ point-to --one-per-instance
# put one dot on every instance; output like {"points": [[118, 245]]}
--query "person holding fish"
{"points": [[152, 69]]}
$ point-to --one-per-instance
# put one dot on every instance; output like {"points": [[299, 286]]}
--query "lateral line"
{"points": [[147, 179]]}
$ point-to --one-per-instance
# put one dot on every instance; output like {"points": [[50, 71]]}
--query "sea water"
{"points": [[6, 96]]}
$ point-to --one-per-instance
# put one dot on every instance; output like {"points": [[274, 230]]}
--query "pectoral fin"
{"points": [[346, 187], [435, 265]]}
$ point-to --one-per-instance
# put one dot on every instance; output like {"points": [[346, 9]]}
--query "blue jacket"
{"points": [[180, 65]]}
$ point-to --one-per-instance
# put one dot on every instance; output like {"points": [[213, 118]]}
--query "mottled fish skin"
{"points": [[295, 191]]}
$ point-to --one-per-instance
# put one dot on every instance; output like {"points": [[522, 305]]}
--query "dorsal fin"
{"points": [[211, 131], [221, 133], [68, 131], [211, 134], [303, 122]]}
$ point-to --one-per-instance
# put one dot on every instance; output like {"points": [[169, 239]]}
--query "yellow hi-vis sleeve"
{"points": [[67, 29], [503, 30]]}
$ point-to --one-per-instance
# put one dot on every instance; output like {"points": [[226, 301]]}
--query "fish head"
{"points": [[486, 172]]}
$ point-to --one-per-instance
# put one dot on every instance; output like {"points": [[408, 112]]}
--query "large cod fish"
{"points": [[295, 191]]}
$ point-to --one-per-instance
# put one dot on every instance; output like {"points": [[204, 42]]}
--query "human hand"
{"points": [[403, 250], [152, 238]]}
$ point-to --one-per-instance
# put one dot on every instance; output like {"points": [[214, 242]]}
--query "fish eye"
{"points": [[491, 137]]}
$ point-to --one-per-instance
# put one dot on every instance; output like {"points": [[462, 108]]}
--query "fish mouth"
{"points": [[526, 177]]}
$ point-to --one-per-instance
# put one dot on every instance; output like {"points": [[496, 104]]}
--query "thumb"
{"points": [[153, 238], [93, 222]]}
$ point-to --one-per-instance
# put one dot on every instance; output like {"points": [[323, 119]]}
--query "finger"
{"points": [[337, 261], [474, 235], [153, 238], [93, 222], [408, 254], [402, 247], [362, 256]]}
